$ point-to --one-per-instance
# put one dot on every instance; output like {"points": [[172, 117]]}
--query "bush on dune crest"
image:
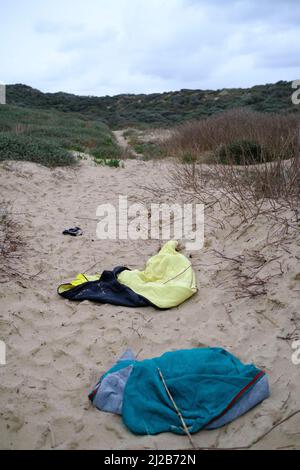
{"points": [[254, 165], [237, 136]]}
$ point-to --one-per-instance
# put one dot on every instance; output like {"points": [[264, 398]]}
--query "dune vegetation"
{"points": [[48, 136], [159, 109]]}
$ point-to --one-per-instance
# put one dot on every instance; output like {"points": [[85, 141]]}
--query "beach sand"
{"points": [[57, 350]]}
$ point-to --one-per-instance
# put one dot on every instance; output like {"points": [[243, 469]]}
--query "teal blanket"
{"points": [[205, 384]]}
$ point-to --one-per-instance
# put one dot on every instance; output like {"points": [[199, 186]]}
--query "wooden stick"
{"points": [[177, 409], [52, 437]]}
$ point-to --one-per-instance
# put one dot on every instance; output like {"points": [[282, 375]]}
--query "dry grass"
{"points": [[246, 273], [240, 200], [200, 140], [270, 189]]}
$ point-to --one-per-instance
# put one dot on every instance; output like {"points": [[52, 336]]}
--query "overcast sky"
{"points": [[107, 47]]}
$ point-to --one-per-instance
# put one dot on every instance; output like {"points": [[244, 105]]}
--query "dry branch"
{"points": [[184, 426]]}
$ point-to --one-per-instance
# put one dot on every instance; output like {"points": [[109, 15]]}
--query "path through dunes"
{"points": [[124, 144]]}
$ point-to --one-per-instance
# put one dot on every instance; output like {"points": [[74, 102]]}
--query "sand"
{"points": [[57, 349], [124, 144]]}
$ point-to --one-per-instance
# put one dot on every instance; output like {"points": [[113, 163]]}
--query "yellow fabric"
{"points": [[80, 279], [167, 281]]}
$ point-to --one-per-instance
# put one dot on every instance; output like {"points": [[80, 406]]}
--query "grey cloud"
{"points": [[101, 47]]}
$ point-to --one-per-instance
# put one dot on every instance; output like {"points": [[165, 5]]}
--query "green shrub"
{"points": [[241, 152], [106, 151], [111, 162], [188, 158], [149, 150], [20, 147], [157, 109], [64, 131]]}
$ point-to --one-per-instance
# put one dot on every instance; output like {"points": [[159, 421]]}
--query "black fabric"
{"points": [[74, 232], [107, 290]]}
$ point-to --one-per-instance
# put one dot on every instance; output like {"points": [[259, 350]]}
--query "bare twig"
{"points": [[262, 436], [177, 409], [274, 427]]}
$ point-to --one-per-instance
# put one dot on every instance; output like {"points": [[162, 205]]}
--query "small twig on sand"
{"points": [[177, 409], [274, 427], [52, 437], [138, 354], [135, 330], [88, 270], [256, 440], [290, 336]]}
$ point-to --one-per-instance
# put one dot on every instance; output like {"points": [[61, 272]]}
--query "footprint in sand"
{"points": [[13, 418], [61, 430], [112, 335]]}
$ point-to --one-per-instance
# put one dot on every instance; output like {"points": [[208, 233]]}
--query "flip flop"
{"points": [[74, 232]]}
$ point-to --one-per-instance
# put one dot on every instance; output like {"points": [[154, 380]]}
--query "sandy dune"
{"points": [[56, 349]]}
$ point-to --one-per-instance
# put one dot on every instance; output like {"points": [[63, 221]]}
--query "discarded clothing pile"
{"points": [[167, 281], [209, 386]]}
